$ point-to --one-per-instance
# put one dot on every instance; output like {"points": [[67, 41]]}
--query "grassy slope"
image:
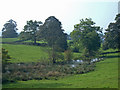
{"points": [[16, 39], [25, 53], [9, 39], [104, 76]]}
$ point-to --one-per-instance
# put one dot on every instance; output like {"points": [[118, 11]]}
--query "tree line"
{"points": [[51, 31], [86, 34]]}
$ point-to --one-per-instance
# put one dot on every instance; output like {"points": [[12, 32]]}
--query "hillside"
{"points": [[104, 76]]}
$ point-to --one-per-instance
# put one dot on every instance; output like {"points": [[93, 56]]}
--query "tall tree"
{"points": [[9, 29], [30, 30], [112, 35], [87, 35], [52, 32]]}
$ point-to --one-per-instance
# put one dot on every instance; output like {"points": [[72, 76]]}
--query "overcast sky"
{"points": [[69, 12]]}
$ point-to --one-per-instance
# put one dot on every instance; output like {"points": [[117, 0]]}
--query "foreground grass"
{"points": [[104, 76], [26, 53]]}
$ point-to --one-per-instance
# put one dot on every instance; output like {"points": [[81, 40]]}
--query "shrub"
{"points": [[5, 59], [60, 61], [39, 71], [68, 55]]}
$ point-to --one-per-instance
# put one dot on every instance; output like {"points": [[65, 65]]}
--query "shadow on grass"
{"points": [[112, 56], [111, 52]]}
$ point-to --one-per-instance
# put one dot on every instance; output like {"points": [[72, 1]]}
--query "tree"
{"points": [[24, 36], [9, 29], [5, 59], [86, 34], [112, 35], [68, 55], [52, 32], [30, 30]]}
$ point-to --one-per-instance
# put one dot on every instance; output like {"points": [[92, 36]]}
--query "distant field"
{"points": [[26, 53], [9, 39], [104, 76], [36, 41]]}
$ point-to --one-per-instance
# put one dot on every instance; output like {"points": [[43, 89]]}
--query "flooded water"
{"points": [[74, 63]]}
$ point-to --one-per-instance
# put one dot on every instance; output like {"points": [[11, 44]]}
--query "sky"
{"points": [[69, 12]]}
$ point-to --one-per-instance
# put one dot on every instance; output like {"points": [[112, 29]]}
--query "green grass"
{"points": [[36, 41], [16, 39], [76, 55], [25, 53], [9, 39], [104, 76], [110, 50], [68, 41]]}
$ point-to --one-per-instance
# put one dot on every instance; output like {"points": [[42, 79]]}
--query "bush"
{"points": [[53, 73], [54, 55], [5, 59], [39, 71], [68, 55], [60, 61]]}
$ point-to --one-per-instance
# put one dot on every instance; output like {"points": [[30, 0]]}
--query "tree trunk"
{"points": [[34, 40], [53, 55]]}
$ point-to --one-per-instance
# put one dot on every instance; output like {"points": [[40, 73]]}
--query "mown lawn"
{"points": [[26, 53], [104, 76]]}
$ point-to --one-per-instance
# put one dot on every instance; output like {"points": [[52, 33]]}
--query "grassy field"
{"points": [[104, 76], [36, 41], [26, 53], [17, 39], [9, 39]]}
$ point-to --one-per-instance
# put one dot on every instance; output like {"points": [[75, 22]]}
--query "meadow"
{"points": [[29, 53], [26, 53], [105, 74], [9, 39]]}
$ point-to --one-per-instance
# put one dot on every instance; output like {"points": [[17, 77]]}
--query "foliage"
{"points": [[9, 29], [86, 35], [24, 36], [5, 58], [39, 71], [112, 35], [55, 56], [52, 32], [30, 30], [68, 55]]}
